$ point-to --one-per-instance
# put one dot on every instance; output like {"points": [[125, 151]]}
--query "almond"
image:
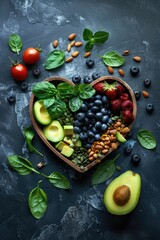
{"points": [[55, 43], [121, 72], [145, 94], [75, 54], [72, 36], [87, 54], [69, 59], [126, 53], [69, 47], [137, 58], [78, 44], [72, 43], [110, 70]]}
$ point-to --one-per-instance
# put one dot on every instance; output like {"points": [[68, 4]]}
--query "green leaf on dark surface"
{"points": [[21, 165], [75, 103], [55, 59], [44, 90], [104, 171], [86, 91], [100, 37], [146, 139], [15, 43], [89, 46], [112, 59], [59, 180], [87, 34], [38, 202]]}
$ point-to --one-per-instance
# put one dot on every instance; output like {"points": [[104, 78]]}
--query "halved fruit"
{"points": [[41, 114], [54, 131]]}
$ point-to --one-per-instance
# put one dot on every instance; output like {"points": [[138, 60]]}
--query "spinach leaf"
{"points": [[59, 180], [100, 37], [89, 46], [15, 43], [87, 34], [75, 103], [104, 171], [146, 139], [112, 59], [38, 202], [65, 90], [55, 59], [48, 102], [86, 91], [21, 165], [57, 109], [29, 135], [44, 90]]}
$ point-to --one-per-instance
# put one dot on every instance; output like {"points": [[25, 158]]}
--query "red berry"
{"points": [[115, 105], [127, 116], [124, 97], [127, 105], [99, 87], [119, 89], [111, 94]]}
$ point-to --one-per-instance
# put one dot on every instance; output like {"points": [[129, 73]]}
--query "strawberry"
{"points": [[127, 105], [124, 97], [110, 90], [127, 116], [115, 105], [120, 89], [99, 87]]}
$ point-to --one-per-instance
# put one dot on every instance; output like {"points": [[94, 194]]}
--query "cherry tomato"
{"points": [[19, 72], [31, 55]]}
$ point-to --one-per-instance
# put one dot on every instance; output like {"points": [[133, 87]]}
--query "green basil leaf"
{"points": [[29, 135], [87, 34], [146, 139], [15, 43], [112, 59], [55, 59], [75, 103], [104, 171], [48, 102], [89, 46], [86, 91], [65, 90], [21, 165], [44, 90], [59, 180], [38, 202], [100, 37], [57, 109]]}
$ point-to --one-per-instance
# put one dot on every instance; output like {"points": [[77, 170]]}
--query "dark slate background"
{"points": [[78, 213]]}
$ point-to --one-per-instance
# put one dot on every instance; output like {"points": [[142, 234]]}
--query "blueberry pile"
{"points": [[92, 119]]}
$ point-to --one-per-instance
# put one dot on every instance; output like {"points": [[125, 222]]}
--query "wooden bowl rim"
{"points": [[50, 146]]}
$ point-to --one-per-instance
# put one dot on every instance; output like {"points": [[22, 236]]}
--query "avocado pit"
{"points": [[122, 195]]}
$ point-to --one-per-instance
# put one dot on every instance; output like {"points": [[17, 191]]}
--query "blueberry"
{"points": [[95, 109], [36, 72], [93, 120], [24, 86], [90, 126], [104, 99], [94, 130], [109, 113], [98, 125], [147, 82], [90, 63], [90, 134], [90, 104], [77, 123], [76, 79], [90, 140], [127, 150], [104, 111], [110, 121], [150, 108], [134, 70], [11, 98], [90, 115], [80, 116], [84, 129], [98, 103], [83, 136], [98, 96], [95, 75], [98, 116], [104, 127], [84, 107], [87, 79], [77, 130], [88, 145], [105, 119], [137, 94], [86, 121], [135, 159], [91, 99], [97, 137]]}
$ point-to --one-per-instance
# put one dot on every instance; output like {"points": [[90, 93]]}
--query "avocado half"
{"points": [[54, 132], [41, 114], [122, 194]]}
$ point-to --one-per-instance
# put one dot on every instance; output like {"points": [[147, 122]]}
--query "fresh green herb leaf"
{"points": [[21, 165], [75, 103], [29, 135], [86, 91], [57, 109], [89, 46], [87, 34], [55, 59], [15, 43], [100, 37], [59, 180], [104, 171], [112, 59], [38, 202], [146, 139], [48, 102], [65, 90], [44, 90]]}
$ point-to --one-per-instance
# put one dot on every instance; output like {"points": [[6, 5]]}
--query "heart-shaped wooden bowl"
{"points": [[39, 131]]}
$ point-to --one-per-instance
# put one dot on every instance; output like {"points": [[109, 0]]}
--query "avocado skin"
{"points": [[133, 181]]}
